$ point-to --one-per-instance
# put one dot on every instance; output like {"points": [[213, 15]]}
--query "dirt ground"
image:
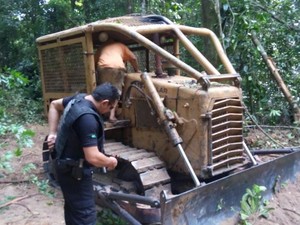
{"points": [[26, 204], [22, 204], [285, 206]]}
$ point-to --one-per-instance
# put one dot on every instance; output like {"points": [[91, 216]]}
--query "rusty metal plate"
{"points": [[219, 201]]}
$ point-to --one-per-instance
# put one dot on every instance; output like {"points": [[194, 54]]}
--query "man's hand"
{"points": [[113, 163], [98, 159], [51, 140]]}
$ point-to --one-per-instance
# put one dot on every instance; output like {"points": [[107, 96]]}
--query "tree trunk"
{"points": [[211, 19], [129, 7], [275, 72]]}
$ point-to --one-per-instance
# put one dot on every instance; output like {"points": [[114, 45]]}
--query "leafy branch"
{"points": [[274, 16], [252, 204]]}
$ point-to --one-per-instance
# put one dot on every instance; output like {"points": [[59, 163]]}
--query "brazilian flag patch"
{"points": [[93, 136]]}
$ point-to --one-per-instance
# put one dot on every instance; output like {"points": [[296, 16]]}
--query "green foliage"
{"points": [[43, 185], [252, 204], [173, 10], [5, 161], [275, 23], [274, 114], [107, 217], [5, 200], [28, 168], [16, 103], [23, 139], [17, 107]]}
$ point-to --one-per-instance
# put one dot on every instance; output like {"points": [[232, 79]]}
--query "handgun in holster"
{"points": [[77, 171]]}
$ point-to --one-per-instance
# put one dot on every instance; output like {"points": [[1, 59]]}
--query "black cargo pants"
{"points": [[79, 198]]}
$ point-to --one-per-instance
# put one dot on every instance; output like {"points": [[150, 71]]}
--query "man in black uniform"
{"points": [[78, 141]]}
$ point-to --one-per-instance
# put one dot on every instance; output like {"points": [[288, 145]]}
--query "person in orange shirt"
{"points": [[110, 59]]}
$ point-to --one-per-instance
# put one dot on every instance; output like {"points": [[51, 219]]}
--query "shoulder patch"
{"points": [[94, 136]]}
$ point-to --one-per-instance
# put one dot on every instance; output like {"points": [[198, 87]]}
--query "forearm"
{"points": [[98, 159], [135, 65], [53, 119], [55, 110]]}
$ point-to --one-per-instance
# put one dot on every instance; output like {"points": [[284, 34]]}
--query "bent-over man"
{"points": [[110, 61]]}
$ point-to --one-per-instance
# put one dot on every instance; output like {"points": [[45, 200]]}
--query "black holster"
{"points": [[72, 166]]}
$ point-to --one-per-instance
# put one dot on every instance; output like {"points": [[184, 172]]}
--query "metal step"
{"points": [[148, 163], [150, 170], [116, 125], [154, 177]]}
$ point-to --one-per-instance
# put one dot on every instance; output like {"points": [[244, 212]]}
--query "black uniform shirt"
{"points": [[88, 131]]}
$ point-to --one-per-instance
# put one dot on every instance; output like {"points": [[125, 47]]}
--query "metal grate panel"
{"points": [[63, 68], [146, 59], [226, 136]]}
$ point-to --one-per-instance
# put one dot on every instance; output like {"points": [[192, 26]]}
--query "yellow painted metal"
{"points": [[192, 98]]}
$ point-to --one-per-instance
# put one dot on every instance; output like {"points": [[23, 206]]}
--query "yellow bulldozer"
{"points": [[180, 138]]}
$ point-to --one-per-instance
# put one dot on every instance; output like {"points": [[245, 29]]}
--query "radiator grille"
{"points": [[226, 136], [63, 68]]}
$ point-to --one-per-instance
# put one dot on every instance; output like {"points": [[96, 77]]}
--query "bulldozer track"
{"points": [[143, 169]]}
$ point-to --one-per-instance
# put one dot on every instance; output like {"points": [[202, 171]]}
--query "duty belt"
{"points": [[71, 162], [70, 165]]}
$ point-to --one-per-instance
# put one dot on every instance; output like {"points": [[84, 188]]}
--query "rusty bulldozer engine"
{"points": [[179, 138]]}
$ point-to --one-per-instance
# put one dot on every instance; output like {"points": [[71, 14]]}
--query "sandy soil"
{"points": [[285, 206], [26, 204], [21, 203]]}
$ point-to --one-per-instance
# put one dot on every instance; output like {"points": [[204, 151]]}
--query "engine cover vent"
{"points": [[226, 135]]}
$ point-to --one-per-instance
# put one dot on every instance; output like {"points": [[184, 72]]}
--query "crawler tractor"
{"points": [[179, 134]]}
